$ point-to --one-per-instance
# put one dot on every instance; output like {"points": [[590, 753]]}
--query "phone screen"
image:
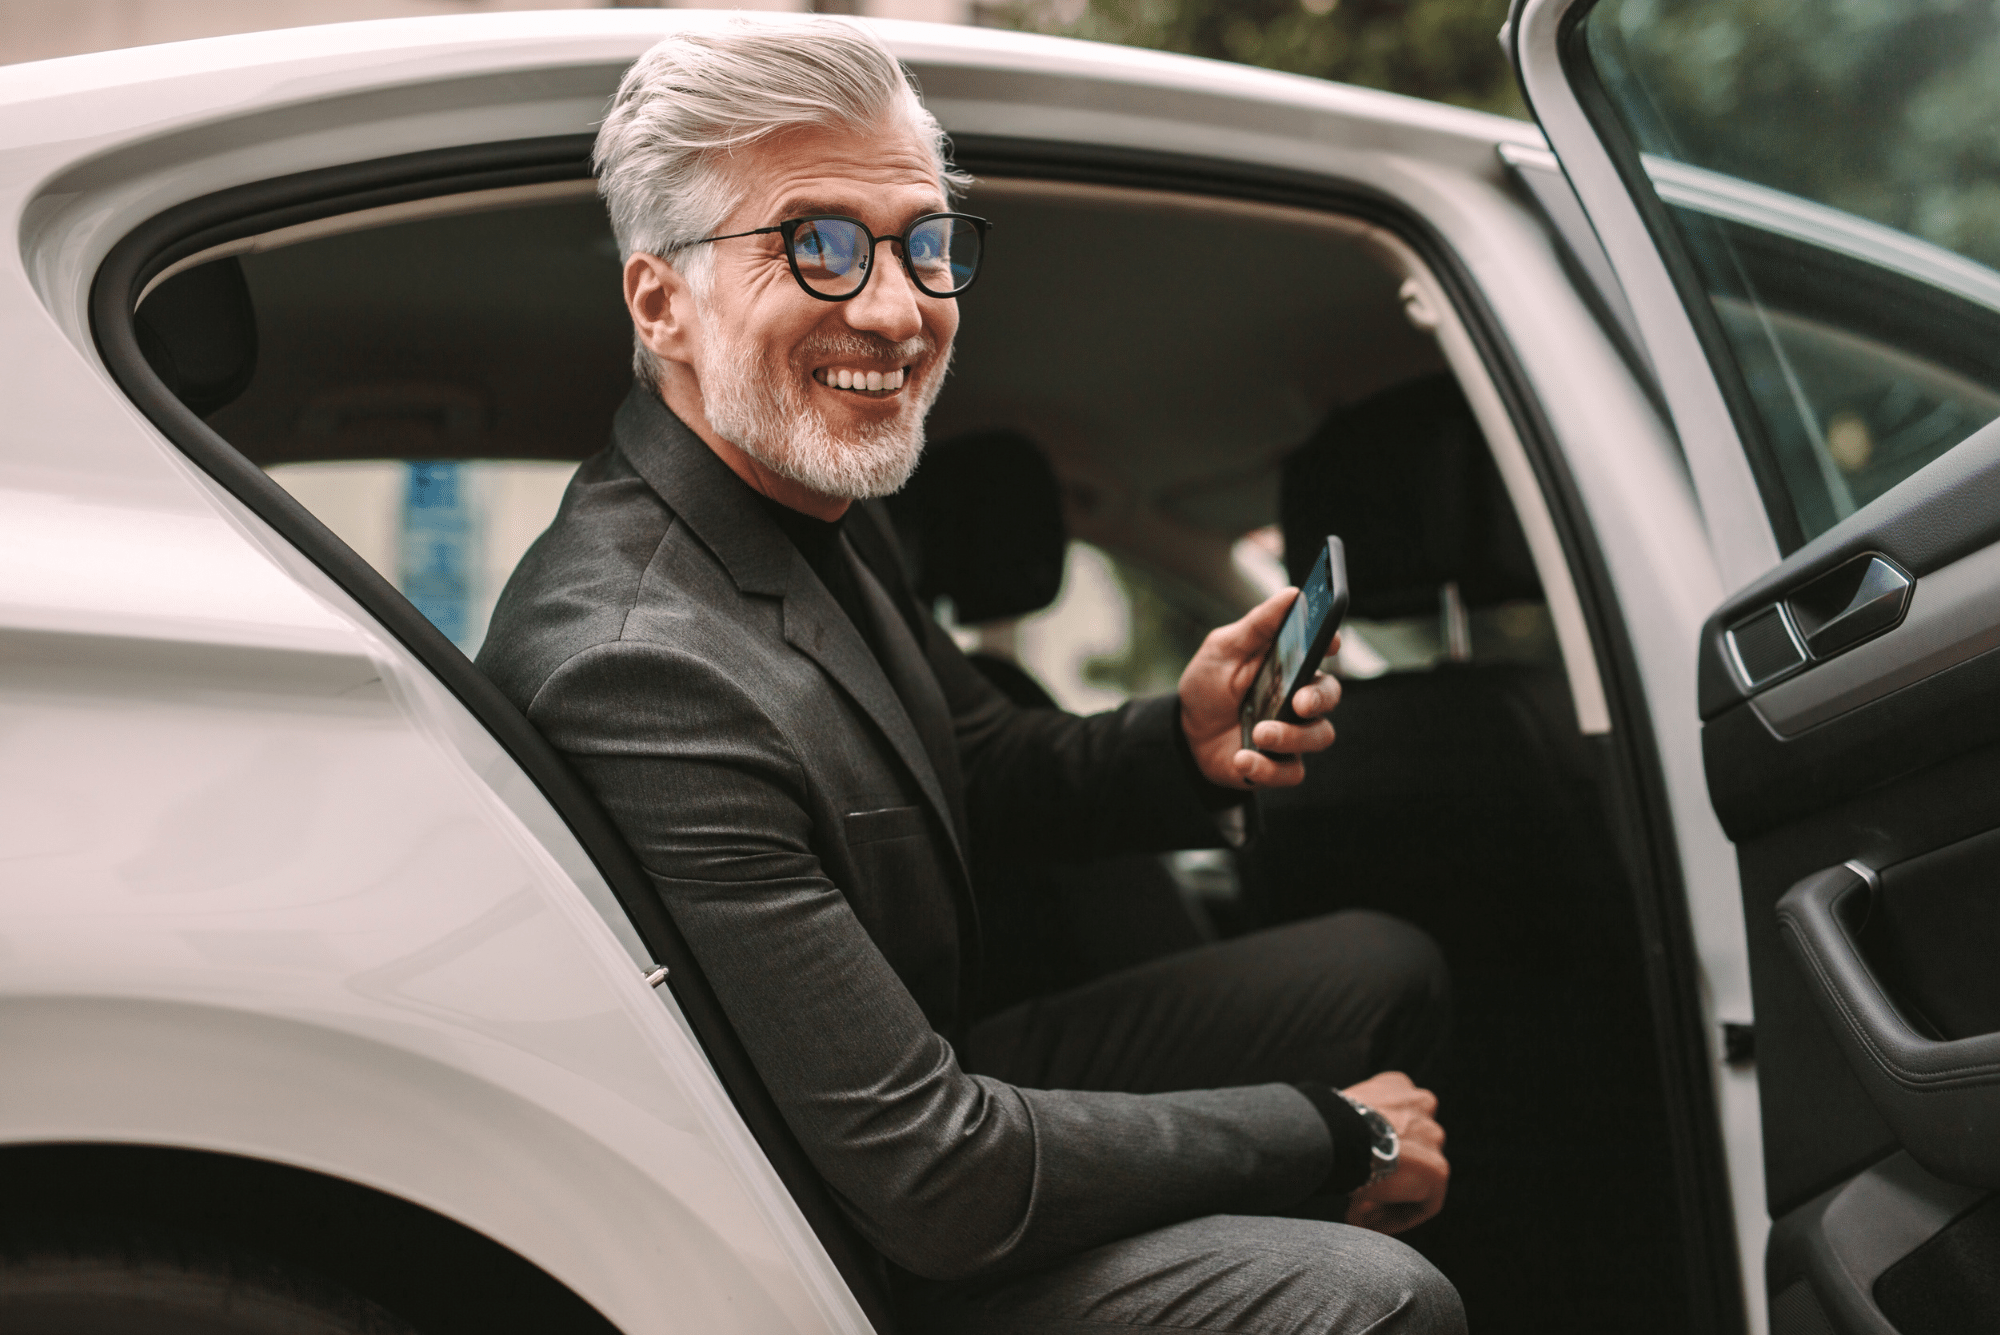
{"points": [[1306, 631]]}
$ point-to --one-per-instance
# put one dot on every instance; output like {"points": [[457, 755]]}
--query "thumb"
{"points": [[1251, 634]]}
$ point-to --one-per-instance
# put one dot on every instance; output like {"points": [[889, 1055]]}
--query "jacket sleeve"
{"points": [[948, 1174], [1046, 785]]}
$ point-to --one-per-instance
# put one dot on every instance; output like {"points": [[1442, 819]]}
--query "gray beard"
{"points": [[766, 412]]}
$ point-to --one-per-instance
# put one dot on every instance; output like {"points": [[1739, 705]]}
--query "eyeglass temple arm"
{"points": [[755, 231]]}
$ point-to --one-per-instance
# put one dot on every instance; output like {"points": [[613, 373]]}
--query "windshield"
{"points": [[1829, 172]]}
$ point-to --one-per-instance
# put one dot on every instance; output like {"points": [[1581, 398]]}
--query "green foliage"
{"points": [[1889, 109], [1445, 50]]}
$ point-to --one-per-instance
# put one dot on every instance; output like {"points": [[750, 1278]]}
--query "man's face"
{"points": [[769, 358]]}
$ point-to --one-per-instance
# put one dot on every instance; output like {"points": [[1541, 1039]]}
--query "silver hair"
{"points": [[663, 152]]}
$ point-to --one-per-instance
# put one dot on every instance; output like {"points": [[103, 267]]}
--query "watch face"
{"points": [[1386, 1147], [1385, 1134]]}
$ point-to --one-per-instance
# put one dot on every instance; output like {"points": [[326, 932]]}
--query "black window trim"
{"points": [[1643, 822]]}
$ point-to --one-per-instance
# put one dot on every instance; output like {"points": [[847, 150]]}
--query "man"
{"points": [[722, 643]]}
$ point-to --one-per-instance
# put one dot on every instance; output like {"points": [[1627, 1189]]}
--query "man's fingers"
{"points": [[1260, 771], [1399, 1203], [1292, 739], [1424, 1133], [1316, 697]]}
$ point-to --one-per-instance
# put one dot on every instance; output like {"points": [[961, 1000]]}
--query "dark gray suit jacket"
{"points": [[808, 832]]}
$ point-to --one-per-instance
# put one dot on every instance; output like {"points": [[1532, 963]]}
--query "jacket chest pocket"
{"points": [[868, 827], [902, 893]]}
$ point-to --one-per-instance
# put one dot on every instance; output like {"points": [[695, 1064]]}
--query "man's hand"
{"points": [[1212, 692], [1415, 1191]]}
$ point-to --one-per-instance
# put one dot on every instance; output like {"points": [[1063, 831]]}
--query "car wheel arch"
{"points": [[359, 1237]]}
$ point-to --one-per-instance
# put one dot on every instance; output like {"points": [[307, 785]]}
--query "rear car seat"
{"points": [[982, 524]]}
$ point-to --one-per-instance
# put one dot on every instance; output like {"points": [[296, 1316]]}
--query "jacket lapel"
{"points": [[915, 686], [725, 515]]}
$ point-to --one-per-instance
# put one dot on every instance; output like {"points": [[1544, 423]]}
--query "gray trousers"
{"points": [[1335, 999]]}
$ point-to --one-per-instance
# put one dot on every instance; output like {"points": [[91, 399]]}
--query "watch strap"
{"points": [[1353, 1139]]}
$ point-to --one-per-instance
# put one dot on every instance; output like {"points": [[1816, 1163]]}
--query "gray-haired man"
{"points": [[722, 643]]}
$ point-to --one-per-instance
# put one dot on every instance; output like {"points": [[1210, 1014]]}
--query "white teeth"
{"points": [[877, 381]]}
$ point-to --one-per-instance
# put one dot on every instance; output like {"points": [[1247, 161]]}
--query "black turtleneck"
{"points": [[819, 542]]}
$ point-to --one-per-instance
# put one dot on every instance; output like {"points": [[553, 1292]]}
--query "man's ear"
{"points": [[662, 307]]}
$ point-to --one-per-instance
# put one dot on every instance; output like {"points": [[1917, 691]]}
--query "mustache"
{"points": [[867, 348]]}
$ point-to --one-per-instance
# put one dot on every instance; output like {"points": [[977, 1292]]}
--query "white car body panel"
{"points": [[196, 948]]}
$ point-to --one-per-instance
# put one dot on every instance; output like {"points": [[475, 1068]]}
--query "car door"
{"points": [[1800, 205]]}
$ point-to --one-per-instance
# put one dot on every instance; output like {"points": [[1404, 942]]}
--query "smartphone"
{"points": [[1301, 644]]}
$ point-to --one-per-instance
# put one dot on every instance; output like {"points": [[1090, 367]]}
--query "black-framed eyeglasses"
{"points": [[832, 256]]}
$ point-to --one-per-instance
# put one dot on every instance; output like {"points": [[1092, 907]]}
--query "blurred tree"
{"points": [[1445, 50], [1889, 109]]}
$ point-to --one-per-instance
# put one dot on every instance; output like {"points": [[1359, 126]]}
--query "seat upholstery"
{"points": [[982, 525], [1464, 799], [1406, 480]]}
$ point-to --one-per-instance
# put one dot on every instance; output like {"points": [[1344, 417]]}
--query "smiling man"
{"points": [[720, 639]]}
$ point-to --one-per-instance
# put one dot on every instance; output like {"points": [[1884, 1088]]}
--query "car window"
{"points": [[424, 385], [1826, 171], [445, 532]]}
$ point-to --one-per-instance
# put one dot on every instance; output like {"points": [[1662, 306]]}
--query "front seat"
{"points": [[1463, 799], [982, 525], [1469, 768]]}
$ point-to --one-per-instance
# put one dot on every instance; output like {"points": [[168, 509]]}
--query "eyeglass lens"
{"points": [[833, 255]]}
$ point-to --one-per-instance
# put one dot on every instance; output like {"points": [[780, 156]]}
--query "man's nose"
{"points": [[888, 305]]}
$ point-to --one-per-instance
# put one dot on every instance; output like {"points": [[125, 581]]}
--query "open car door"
{"points": [[1800, 203]]}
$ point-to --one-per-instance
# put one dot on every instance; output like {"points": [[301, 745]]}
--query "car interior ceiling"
{"points": [[1156, 377]]}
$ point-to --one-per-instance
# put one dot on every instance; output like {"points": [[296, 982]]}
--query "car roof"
{"points": [[145, 89]]}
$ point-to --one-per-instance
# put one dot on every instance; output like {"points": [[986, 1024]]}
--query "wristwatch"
{"points": [[1384, 1146]]}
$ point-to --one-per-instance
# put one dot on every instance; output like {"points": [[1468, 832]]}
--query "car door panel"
{"points": [[1880, 753], [1840, 1261], [1859, 788], [1845, 691]]}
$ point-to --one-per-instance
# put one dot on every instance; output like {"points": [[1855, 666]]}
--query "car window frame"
{"points": [[1608, 124], [1633, 762], [1633, 766]]}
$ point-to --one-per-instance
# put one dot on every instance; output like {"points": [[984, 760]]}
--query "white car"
{"points": [[328, 995]]}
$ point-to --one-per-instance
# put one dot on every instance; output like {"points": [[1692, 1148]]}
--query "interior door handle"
{"points": [[1940, 1097], [1847, 605]]}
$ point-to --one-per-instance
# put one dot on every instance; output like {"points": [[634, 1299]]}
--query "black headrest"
{"points": [[982, 522], [1406, 481], [199, 333]]}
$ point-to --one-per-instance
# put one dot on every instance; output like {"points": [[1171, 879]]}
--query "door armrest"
{"points": [[1941, 1097]]}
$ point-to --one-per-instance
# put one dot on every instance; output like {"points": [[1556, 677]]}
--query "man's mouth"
{"points": [[872, 384]]}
